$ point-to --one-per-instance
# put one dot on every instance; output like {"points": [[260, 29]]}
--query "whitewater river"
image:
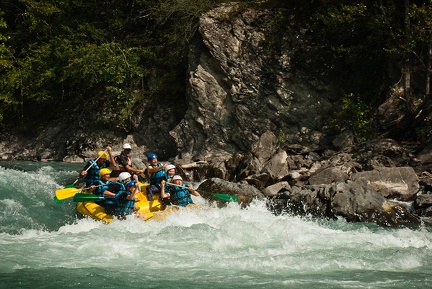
{"points": [[44, 245]]}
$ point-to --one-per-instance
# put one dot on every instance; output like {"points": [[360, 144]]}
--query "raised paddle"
{"points": [[174, 185], [73, 184], [79, 197]]}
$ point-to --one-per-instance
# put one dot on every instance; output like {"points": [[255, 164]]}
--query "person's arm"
{"points": [[150, 169], [95, 187], [124, 161], [163, 194], [107, 193], [112, 190], [131, 196], [193, 191], [86, 168], [113, 163], [133, 170]]}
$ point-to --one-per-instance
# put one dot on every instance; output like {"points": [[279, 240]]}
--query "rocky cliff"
{"points": [[239, 89]]}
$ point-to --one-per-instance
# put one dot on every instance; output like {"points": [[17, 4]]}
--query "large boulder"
{"points": [[391, 182], [355, 202], [329, 175], [244, 192], [277, 166]]}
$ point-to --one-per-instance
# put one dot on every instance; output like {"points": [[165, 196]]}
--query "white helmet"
{"points": [[169, 167], [123, 176], [127, 146]]}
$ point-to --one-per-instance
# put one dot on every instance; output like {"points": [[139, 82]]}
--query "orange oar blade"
{"points": [[66, 193]]}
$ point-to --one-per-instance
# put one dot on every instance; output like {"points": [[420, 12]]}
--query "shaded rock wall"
{"points": [[239, 90]]}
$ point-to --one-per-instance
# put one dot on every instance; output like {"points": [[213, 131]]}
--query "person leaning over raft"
{"points": [[101, 162], [177, 193], [124, 162], [120, 197], [108, 189], [156, 173], [126, 200]]}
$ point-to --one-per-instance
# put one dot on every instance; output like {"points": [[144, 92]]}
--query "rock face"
{"points": [[239, 90]]}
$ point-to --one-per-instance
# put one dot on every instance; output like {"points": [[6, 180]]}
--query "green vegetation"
{"points": [[58, 54], [55, 54], [353, 113], [366, 48], [374, 45]]}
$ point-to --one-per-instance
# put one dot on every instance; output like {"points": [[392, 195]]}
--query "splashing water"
{"points": [[44, 245]]}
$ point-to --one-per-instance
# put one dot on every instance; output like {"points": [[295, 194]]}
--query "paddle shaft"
{"points": [[224, 197], [193, 192], [86, 197], [175, 185], [69, 192]]}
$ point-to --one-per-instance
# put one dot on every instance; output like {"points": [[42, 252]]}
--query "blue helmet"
{"points": [[151, 156], [130, 184]]}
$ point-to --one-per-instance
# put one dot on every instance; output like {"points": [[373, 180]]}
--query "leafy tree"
{"points": [[57, 54], [60, 53], [6, 64]]}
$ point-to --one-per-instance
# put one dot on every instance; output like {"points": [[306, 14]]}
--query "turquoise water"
{"points": [[44, 245]]}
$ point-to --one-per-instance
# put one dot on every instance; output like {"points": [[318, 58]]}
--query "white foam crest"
{"points": [[28, 183], [82, 225], [231, 237]]}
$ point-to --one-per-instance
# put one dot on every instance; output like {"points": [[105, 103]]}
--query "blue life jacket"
{"points": [[119, 205], [180, 196], [112, 202], [157, 177], [93, 173], [102, 187], [123, 205]]}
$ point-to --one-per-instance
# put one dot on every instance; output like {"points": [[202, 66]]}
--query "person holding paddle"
{"points": [[100, 186], [178, 194], [92, 167], [119, 197], [156, 173], [124, 162]]}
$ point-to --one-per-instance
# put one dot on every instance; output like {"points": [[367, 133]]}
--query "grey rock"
{"points": [[328, 175], [401, 182], [273, 190], [245, 193]]}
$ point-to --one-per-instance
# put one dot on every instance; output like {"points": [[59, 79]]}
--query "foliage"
{"points": [[353, 114], [282, 138], [55, 54], [367, 46]]}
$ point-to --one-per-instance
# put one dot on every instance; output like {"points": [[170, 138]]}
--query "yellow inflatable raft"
{"points": [[148, 210]]}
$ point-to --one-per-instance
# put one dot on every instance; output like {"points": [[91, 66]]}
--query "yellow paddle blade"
{"points": [[66, 193]]}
